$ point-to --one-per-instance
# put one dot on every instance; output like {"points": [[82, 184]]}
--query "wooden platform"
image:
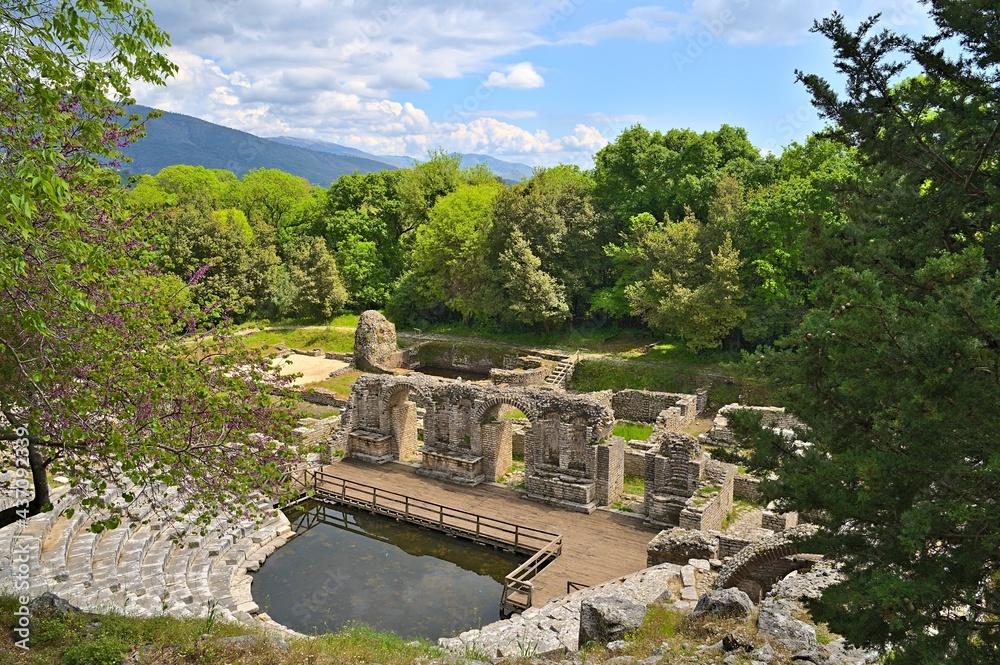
{"points": [[596, 547]]}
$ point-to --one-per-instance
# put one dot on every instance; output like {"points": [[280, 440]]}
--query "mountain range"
{"points": [[174, 138]]}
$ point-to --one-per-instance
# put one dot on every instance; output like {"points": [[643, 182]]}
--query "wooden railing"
{"points": [[543, 546]]}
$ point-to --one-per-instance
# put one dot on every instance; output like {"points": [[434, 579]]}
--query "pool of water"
{"points": [[464, 374], [347, 565]]}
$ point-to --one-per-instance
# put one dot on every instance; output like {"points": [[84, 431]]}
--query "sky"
{"points": [[534, 81]]}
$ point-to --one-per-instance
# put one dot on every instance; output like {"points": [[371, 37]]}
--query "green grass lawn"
{"points": [[109, 639], [339, 384], [332, 340], [635, 485], [630, 430]]}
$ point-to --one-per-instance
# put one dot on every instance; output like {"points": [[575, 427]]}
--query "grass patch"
{"points": [[632, 430], [332, 340], [635, 485], [345, 320], [110, 639], [514, 414], [622, 505], [598, 340], [740, 508], [339, 384], [593, 374], [304, 409]]}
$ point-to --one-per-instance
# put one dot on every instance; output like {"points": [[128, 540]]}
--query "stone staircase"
{"points": [[149, 564], [562, 372]]}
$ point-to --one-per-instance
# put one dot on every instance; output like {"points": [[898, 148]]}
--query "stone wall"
{"points": [[709, 511], [321, 396], [779, 521], [771, 416], [497, 449], [746, 487], [646, 406], [610, 471], [756, 567], [678, 546], [519, 377], [679, 479], [466, 441]]}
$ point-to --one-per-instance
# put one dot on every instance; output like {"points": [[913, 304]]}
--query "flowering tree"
{"points": [[101, 359]]}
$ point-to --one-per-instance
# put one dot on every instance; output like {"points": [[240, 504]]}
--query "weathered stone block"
{"points": [[723, 603], [680, 545], [608, 618]]}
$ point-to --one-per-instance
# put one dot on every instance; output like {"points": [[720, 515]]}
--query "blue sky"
{"points": [[539, 81]]}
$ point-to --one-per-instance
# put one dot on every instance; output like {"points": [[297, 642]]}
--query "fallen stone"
{"points": [[605, 619], [764, 653], [776, 625], [50, 601], [736, 642], [723, 603]]}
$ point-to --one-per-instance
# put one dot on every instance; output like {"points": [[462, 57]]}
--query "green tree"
{"points": [[533, 296], [319, 292], [895, 367], [231, 272], [675, 285], [103, 373], [554, 214], [448, 250], [664, 173], [281, 200], [363, 225]]}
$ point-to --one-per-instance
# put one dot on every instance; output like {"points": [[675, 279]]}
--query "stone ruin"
{"points": [[571, 459], [375, 348], [685, 487]]}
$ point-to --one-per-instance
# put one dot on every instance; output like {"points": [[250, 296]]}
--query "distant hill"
{"points": [[180, 139], [174, 138], [399, 161], [510, 171]]}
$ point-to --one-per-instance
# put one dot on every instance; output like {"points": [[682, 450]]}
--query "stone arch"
{"points": [[398, 417], [495, 439], [520, 402], [757, 567], [392, 392]]}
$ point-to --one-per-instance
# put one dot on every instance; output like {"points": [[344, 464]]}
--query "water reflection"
{"points": [[346, 564]]}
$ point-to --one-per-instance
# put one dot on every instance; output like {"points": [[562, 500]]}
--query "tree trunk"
{"points": [[40, 480]]}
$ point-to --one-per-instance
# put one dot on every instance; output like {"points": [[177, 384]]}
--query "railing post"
{"points": [[407, 505], [441, 515], [375, 496], [517, 532], [477, 525]]}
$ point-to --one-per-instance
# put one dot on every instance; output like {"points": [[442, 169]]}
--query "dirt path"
{"points": [[312, 369]]}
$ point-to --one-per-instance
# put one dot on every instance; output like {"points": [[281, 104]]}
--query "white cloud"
{"points": [[747, 22], [521, 76], [375, 124], [647, 23]]}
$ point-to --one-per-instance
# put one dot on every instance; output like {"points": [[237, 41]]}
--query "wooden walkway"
{"points": [[596, 547]]}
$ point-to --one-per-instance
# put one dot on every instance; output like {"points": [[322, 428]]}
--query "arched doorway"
{"points": [[410, 415]]}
